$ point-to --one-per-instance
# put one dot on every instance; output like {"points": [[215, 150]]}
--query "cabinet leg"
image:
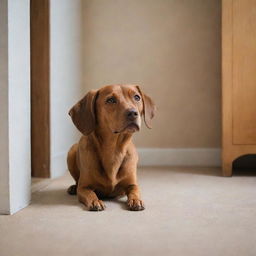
{"points": [[227, 169]]}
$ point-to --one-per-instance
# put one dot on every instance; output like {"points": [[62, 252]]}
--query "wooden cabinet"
{"points": [[238, 80]]}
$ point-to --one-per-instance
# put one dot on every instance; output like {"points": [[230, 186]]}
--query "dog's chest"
{"points": [[111, 171], [108, 186]]}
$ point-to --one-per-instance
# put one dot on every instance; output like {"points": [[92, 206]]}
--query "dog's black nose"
{"points": [[132, 114]]}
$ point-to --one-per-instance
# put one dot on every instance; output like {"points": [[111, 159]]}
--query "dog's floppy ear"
{"points": [[83, 113], [148, 108]]}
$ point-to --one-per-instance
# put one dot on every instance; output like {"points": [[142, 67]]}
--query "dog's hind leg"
{"points": [[73, 169]]}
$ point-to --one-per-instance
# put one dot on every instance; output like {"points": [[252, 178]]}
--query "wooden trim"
{"points": [[227, 87], [40, 88]]}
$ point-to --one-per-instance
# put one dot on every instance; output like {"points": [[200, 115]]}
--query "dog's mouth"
{"points": [[133, 127], [130, 128]]}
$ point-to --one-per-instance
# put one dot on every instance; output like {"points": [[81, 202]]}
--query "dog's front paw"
{"points": [[97, 205], [135, 205]]}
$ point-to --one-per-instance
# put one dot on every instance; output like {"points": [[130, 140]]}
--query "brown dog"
{"points": [[104, 162]]}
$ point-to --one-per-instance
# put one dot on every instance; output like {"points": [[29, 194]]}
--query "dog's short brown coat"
{"points": [[104, 162]]}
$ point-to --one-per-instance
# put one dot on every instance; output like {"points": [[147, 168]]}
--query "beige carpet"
{"points": [[189, 211]]}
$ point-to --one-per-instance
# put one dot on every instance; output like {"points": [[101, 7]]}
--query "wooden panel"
{"points": [[244, 71], [231, 151], [40, 117]]}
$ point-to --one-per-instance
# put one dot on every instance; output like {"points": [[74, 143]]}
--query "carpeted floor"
{"points": [[189, 211]]}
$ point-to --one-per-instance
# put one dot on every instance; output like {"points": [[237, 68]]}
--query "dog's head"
{"points": [[118, 108]]}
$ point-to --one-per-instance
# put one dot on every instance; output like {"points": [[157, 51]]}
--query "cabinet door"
{"points": [[244, 72]]}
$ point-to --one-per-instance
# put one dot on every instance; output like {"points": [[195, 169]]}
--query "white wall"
{"points": [[15, 172], [65, 77]]}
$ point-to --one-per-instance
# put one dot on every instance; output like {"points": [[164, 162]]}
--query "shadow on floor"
{"points": [[61, 197], [53, 196]]}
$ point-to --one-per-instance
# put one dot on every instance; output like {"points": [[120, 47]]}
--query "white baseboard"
{"points": [[179, 156], [156, 157]]}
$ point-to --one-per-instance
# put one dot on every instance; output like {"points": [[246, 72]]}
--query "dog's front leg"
{"points": [[88, 197], [134, 202]]}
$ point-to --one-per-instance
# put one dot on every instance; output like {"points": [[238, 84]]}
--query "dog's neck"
{"points": [[115, 147], [114, 142]]}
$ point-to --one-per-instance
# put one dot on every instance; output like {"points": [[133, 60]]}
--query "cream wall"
{"points": [[172, 49]]}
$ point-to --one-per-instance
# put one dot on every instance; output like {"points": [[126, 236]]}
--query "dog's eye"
{"points": [[137, 97], [111, 100]]}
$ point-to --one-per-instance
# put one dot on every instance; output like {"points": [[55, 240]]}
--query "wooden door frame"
{"points": [[40, 87]]}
